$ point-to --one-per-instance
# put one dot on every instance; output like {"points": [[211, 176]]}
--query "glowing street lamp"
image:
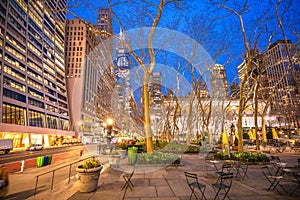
{"points": [[109, 123]]}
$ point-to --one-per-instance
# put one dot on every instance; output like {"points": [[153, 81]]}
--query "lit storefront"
{"points": [[23, 136]]}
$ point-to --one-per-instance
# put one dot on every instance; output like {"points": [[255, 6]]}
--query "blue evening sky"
{"points": [[217, 30]]}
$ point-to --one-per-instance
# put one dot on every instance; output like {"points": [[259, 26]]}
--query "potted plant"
{"points": [[88, 174], [122, 149], [114, 159]]}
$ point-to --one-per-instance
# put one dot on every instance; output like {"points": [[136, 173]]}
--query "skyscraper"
{"points": [[219, 82], [124, 92], [107, 78], [32, 66], [82, 78], [285, 101], [256, 73], [104, 22]]}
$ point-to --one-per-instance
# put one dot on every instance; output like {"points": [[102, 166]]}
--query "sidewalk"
{"points": [[150, 183], [170, 184]]}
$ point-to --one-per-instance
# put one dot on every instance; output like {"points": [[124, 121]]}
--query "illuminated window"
{"points": [[36, 118], [13, 114]]}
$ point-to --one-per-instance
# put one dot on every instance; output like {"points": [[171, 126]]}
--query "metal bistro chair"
{"points": [[226, 168], [193, 183], [272, 177], [242, 169], [223, 185], [127, 177]]}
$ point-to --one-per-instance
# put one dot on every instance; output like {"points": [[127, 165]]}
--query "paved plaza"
{"points": [[169, 183]]}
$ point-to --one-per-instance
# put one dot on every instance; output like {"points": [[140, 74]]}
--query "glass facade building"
{"points": [[32, 70]]}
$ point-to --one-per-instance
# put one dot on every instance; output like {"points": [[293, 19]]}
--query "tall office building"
{"points": [[104, 23], [33, 94], [255, 71], [219, 82], [107, 78], [155, 88], [285, 101], [82, 79]]}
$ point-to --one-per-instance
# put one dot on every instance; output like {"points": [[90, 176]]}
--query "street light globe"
{"points": [[110, 121]]}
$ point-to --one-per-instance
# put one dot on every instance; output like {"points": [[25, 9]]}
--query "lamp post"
{"points": [[109, 124]]}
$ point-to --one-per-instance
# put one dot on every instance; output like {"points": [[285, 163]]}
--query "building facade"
{"points": [[106, 75], [281, 73], [82, 69], [123, 92], [219, 82], [253, 73], [33, 91]]}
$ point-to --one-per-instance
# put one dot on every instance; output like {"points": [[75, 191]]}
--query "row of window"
{"points": [[76, 32], [17, 115], [73, 28], [74, 49], [77, 53]]}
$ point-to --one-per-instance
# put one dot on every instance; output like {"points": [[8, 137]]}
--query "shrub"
{"points": [[246, 136], [122, 145], [159, 144], [91, 163], [192, 149], [245, 156], [158, 158]]}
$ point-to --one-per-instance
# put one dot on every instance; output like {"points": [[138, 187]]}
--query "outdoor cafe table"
{"points": [[215, 162], [239, 167]]}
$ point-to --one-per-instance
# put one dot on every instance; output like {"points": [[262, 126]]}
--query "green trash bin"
{"points": [[132, 155], [40, 161], [49, 159]]}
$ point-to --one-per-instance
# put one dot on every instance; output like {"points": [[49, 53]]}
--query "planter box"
{"points": [[122, 153], [88, 178], [114, 160]]}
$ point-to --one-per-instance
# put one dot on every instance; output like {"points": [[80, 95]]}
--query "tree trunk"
{"points": [[146, 109], [263, 130], [255, 114]]}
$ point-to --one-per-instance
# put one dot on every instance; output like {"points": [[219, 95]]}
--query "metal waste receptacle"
{"points": [[49, 159], [132, 155], [40, 161], [46, 160]]}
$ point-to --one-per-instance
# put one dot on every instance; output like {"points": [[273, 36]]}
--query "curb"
{"points": [[13, 167]]}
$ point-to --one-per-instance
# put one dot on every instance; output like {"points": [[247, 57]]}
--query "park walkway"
{"points": [[169, 183]]}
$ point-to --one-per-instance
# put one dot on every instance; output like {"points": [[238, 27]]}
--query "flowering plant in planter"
{"points": [[122, 145], [92, 163], [88, 174]]}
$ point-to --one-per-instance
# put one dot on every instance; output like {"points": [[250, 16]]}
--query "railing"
{"points": [[54, 170]]}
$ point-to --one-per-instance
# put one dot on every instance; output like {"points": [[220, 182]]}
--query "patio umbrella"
{"points": [[274, 134], [251, 135], [236, 134], [254, 134], [225, 149], [225, 138]]}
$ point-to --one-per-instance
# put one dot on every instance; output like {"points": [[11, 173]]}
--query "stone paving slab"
{"points": [[162, 198], [164, 191], [170, 184], [179, 187], [158, 182], [142, 192]]}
